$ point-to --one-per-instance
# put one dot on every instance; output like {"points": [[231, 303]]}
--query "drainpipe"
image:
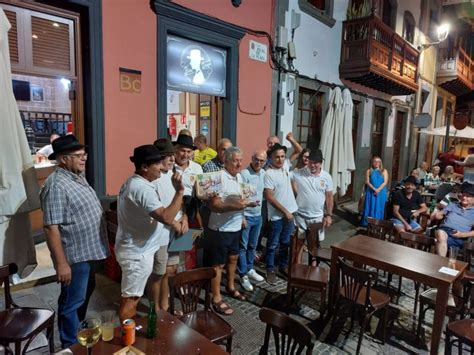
{"points": [[448, 126]]}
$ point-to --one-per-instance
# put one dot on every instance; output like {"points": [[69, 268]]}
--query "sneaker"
{"points": [[271, 277], [245, 282], [254, 276]]}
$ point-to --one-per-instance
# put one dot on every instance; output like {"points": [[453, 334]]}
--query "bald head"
{"points": [[259, 158], [222, 145], [271, 141]]}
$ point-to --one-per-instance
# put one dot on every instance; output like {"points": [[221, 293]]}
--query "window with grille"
{"points": [[308, 126], [378, 125]]}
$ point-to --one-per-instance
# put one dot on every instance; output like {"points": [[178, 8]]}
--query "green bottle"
{"points": [[151, 322]]}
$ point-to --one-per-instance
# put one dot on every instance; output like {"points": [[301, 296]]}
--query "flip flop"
{"points": [[222, 308], [236, 294]]}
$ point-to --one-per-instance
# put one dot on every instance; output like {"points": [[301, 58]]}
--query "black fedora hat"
{"points": [[165, 146], [467, 188], [147, 153], [275, 147], [186, 141], [68, 143], [410, 179], [316, 155]]}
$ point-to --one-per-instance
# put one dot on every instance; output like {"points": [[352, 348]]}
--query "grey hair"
{"points": [[229, 153]]}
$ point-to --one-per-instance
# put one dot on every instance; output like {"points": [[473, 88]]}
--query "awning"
{"points": [[467, 132]]}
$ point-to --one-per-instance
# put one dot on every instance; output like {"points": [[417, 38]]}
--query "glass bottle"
{"points": [[151, 322]]}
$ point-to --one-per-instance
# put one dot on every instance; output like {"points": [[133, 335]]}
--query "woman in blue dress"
{"points": [[376, 179]]}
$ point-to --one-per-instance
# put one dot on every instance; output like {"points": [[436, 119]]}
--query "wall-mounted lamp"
{"points": [[442, 33]]}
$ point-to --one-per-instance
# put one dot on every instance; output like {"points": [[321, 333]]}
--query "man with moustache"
{"points": [[141, 216], [225, 225], [166, 193], [74, 225]]}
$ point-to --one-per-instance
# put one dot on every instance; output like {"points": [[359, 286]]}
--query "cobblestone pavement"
{"points": [[250, 330]]}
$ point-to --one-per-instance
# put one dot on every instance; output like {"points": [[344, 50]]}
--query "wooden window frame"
{"points": [[325, 16], [314, 115]]}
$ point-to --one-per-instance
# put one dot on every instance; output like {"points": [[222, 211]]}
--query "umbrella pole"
{"points": [[448, 127]]}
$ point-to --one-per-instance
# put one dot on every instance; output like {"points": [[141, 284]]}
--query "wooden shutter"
{"points": [[51, 44], [13, 36]]}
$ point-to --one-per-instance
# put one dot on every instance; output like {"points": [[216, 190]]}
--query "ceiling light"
{"points": [[443, 31]]}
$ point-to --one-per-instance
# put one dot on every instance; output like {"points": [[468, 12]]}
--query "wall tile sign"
{"points": [[130, 80], [196, 67]]}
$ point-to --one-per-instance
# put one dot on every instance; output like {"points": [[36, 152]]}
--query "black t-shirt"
{"points": [[407, 205]]}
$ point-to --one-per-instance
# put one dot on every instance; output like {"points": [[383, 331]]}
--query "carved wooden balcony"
{"points": [[455, 71], [375, 56]]}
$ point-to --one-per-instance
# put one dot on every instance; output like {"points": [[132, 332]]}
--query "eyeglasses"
{"points": [[261, 161], [78, 155]]}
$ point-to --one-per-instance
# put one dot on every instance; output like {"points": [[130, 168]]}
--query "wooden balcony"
{"points": [[455, 71], [375, 56]]}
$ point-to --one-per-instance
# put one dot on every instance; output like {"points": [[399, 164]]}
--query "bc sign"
{"points": [[130, 80]]}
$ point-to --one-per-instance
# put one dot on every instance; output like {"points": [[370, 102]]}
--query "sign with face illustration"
{"points": [[196, 67]]}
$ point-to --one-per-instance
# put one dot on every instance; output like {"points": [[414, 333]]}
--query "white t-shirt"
{"points": [[228, 221], [166, 193], [311, 192], [278, 180], [189, 176], [137, 233]]}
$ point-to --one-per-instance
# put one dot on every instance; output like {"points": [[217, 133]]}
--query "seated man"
{"points": [[458, 221], [407, 206]]}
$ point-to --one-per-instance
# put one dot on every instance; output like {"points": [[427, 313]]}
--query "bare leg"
{"points": [[154, 289], [128, 307], [231, 267], [216, 284], [441, 242], [165, 290]]}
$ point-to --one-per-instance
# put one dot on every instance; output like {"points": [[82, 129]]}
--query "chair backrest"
{"points": [[379, 229], [187, 286], [312, 237], [353, 280], [289, 335], [417, 241], [5, 272]]}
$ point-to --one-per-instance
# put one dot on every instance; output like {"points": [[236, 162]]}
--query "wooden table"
{"points": [[173, 337], [407, 262]]}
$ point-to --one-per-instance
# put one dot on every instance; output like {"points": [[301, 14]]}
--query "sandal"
{"points": [[222, 308], [236, 294]]}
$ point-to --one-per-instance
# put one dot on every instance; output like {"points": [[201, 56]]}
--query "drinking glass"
{"points": [[89, 333], [108, 323], [453, 255]]}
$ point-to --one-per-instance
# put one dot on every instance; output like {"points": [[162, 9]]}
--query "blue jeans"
{"points": [[248, 244], [280, 233], [73, 301]]}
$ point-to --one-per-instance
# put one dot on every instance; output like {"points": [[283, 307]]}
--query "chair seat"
{"points": [[378, 299], [311, 275], [208, 324], [20, 323], [463, 328], [324, 254], [429, 296]]}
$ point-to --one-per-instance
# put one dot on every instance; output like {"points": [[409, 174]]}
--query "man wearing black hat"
{"points": [[407, 206], [166, 192], [458, 221], [313, 188], [75, 231], [189, 169], [281, 206], [141, 216]]}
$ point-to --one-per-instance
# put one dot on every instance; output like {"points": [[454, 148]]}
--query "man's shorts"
{"points": [[303, 223], [413, 224], [173, 258], [453, 241], [135, 272], [219, 246], [160, 261]]}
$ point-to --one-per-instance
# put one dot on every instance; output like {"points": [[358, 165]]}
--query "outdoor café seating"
{"points": [[463, 331]]}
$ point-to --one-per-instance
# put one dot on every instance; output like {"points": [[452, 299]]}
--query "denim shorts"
{"points": [[453, 241], [413, 224]]}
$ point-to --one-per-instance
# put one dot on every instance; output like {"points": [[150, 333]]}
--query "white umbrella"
{"points": [[19, 192], [467, 132]]}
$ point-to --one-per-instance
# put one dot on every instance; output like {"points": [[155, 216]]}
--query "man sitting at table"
{"points": [[458, 221], [407, 206]]}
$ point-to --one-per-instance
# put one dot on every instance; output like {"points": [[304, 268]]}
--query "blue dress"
{"points": [[374, 205]]}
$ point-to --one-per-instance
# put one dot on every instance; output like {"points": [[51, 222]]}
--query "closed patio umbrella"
{"points": [[19, 191]]}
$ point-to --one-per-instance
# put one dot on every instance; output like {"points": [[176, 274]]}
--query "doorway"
{"points": [[397, 145]]}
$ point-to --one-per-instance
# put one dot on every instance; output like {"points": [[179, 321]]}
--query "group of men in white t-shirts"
{"points": [[152, 211]]}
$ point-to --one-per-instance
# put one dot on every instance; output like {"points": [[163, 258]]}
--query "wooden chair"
{"points": [[306, 277], [314, 247], [419, 242], [289, 335], [187, 286], [19, 324], [463, 331], [379, 229], [355, 291]]}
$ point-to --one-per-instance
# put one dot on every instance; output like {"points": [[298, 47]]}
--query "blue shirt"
{"points": [[250, 176], [458, 218]]}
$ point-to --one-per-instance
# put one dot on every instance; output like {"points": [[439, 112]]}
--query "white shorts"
{"points": [[136, 269]]}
